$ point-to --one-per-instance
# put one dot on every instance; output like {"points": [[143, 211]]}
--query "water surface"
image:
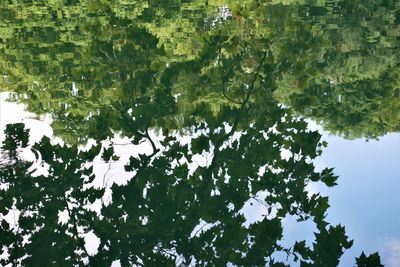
{"points": [[180, 136]]}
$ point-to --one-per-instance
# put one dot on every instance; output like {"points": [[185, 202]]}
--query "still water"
{"points": [[198, 133]]}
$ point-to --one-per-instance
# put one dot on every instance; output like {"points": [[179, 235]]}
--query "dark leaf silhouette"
{"points": [[373, 260]]}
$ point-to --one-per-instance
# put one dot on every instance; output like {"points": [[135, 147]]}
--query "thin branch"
{"points": [[223, 77], [121, 144], [260, 201], [153, 145], [201, 228], [251, 87], [236, 122], [105, 174]]}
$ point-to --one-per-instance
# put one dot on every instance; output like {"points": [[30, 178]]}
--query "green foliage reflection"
{"points": [[152, 219], [233, 78], [325, 62]]}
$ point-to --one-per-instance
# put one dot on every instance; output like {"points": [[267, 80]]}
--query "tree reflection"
{"points": [[121, 68], [155, 217], [342, 73], [168, 213]]}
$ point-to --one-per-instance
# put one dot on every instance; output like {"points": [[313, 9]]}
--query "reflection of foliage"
{"points": [[372, 260], [350, 80], [151, 219], [210, 72], [40, 199], [365, 108], [341, 72]]}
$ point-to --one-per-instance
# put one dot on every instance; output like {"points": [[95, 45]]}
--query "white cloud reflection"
{"points": [[391, 252]]}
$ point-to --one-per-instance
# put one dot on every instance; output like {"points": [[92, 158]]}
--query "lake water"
{"points": [[200, 133]]}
